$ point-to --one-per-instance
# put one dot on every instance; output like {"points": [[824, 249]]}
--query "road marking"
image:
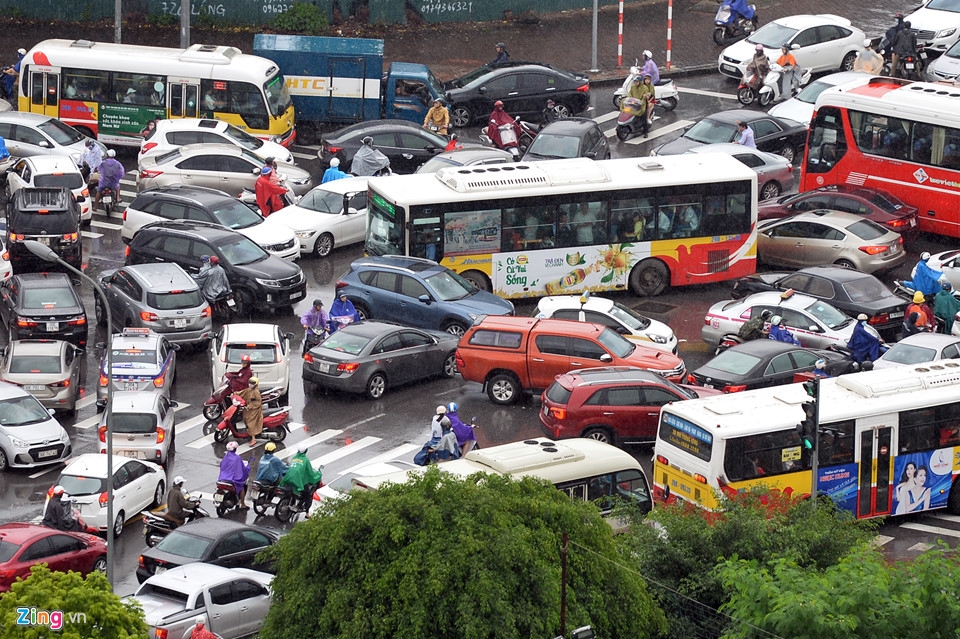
{"points": [[400, 451], [670, 128], [90, 234], [606, 117], [364, 421], [935, 530], [725, 96], [43, 472], [882, 540], [304, 156], [87, 400], [920, 547], [945, 517], [308, 442], [193, 422], [106, 225], [343, 451]]}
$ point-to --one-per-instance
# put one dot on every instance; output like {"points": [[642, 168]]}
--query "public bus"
{"points": [[566, 226], [889, 442], [110, 91], [894, 135]]}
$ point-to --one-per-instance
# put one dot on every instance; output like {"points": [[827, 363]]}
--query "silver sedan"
{"points": [[774, 172], [47, 369]]}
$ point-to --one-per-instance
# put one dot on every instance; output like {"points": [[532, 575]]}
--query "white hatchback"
{"points": [[29, 435], [51, 171], [800, 107], [267, 346], [319, 220], [170, 134]]}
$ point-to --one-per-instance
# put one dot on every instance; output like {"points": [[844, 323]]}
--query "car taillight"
{"points": [[85, 192], [150, 173], [460, 363], [103, 433], [903, 221], [206, 312], [77, 321], [706, 320], [584, 88], [147, 146], [25, 323], [882, 318], [308, 358], [141, 563], [103, 499], [874, 250], [158, 381], [50, 492], [124, 216], [734, 389], [126, 251], [333, 150], [17, 237], [5, 256], [62, 384], [347, 367], [161, 435], [789, 168], [161, 633], [104, 381], [69, 238], [147, 316], [558, 413]]}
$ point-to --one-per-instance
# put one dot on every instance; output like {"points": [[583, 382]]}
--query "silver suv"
{"points": [[161, 297], [142, 424]]}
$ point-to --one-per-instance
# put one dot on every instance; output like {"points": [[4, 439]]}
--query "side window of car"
{"points": [[804, 359], [163, 405], [657, 396], [414, 141], [156, 243], [411, 287], [790, 229], [850, 206], [26, 173], [230, 545], [170, 211], [388, 344], [813, 203], [221, 595], [64, 543], [198, 249], [236, 165], [806, 37], [749, 159], [813, 230], [763, 128], [69, 356], [382, 280], [251, 540], [27, 135], [552, 344], [199, 163], [629, 396], [247, 589], [779, 364], [121, 477], [359, 201], [411, 338], [502, 85], [829, 32], [585, 349], [182, 138], [384, 140], [592, 138], [567, 314], [6, 130], [135, 470], [793, 319], [600, 318], [177, 246], [538, 82], [950, 352], [820, 287], [37, 550], [134, 288]]}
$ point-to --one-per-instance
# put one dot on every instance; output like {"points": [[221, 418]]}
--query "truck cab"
{"points": [[408, 91]]}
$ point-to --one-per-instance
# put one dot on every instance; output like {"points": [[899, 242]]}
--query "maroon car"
{"points": [[874, 204], [23, 545], [612, 404]]}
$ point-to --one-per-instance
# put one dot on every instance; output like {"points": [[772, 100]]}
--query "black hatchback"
{"points": [[50, 216], [406, 144], [258, 279], [569, 138], [43, 306], [523, 87]]}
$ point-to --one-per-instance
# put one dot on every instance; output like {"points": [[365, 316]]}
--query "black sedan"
{"points": [[569, 138], [211, 540], [371, 356], [523, 87], [42, 306], [852, 291], [406, 144], [766, 362], [775, 135]]}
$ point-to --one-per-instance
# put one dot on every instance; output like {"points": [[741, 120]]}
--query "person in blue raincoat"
{"points": [[865, 342], [925, 279], [342, 312], [779, 332]]}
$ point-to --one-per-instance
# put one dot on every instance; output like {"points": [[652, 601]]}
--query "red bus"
{"points": [[899, 136]]}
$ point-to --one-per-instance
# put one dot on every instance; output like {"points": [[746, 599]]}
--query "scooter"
{"points": [[107, 199], [275, 426], [630, 119], [665, 91], [313, 335], [292, 504], [226, 498], [770, 90], [219, 401], [735, 20], [156, 525], [263, 496], [516, 147]]}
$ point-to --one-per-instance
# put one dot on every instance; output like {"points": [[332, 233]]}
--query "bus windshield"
{"points": [[277, 96], [385, 227]]}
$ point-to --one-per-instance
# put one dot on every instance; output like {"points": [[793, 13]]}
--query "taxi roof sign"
{"points": [[128, 331]]}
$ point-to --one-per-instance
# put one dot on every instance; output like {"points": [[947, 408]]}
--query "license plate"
{"points": [[179, 323], [53, 327], [896, 315], [43, 454], [129, 453], [34, 387], [107, 199], [231, 303], [910, 66], [324, 368], [159, 570], [217, 498], [727, 67], [296, 295], [546, 410], [132, 386], [44, 240], [895, 249], [913, 223]]}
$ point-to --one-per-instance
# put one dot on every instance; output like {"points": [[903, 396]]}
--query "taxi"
{"points": [[142, 361]]}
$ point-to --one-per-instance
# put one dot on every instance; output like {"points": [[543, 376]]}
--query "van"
{"points": [[585, 469]]}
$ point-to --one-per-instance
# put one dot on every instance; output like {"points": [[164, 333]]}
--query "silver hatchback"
{"points": [[48, 369], [160, 297], [142, 424]]}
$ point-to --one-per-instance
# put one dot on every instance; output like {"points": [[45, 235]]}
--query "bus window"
{"points": [[242, 98], [827, 141], [836, 443], [463, 233], [576, 491], [918, 430], [764, 455], [631, 486]]}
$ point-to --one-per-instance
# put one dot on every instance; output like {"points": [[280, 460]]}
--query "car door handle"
{"points": [[836, 246], [652, 414], [513, 93], [576, 364], [243, 608], [608, 413], [407, 156]]}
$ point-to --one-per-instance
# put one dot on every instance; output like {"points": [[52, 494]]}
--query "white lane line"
{"points": [[920, 547], [612, 115], [90, 234], [304, 156], [89, 422], [309, 441], [946, 517], [193, 422], [364, 421], [725, 96], [882, 540], [935, 530], [344, 451], [88, 400], [400, 451], [656, 133], [41, 473], [106, 225]]}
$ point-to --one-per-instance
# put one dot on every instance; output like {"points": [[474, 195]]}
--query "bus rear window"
{"points": [[686, 436]]}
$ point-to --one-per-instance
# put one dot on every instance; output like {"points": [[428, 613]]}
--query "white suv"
{"points": [[170, 134], [267, 346]]}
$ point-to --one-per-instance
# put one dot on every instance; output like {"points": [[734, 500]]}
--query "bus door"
{"points": [[875, 458], [45, 91], [184, 98]]}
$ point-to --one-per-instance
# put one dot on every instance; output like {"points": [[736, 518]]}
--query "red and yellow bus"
{"points": [[899, 136], [568, 226]]}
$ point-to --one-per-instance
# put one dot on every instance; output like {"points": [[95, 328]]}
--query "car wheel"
{"points": [[244, 304], [668, 104], [159, 496], [649, 277], [769, 190], [788, 152], [99, 311], [376, 386], [561, 110], [478, 279], [845, 264], [450, 365], [100, 565], [212, 412], [455, 328], [118, 524], [848, 60], [461, 116], [599, 433], [503, 389], [324, 245], [363, 311], [4, 461], [284, 510]]}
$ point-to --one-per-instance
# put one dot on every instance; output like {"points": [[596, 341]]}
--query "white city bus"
{"points": [[110, 91], [566, 226], [889, 442]]}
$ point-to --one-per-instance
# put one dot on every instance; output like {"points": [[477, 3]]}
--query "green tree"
{"points": [[103, 614], [860, 597], [445, 557]]}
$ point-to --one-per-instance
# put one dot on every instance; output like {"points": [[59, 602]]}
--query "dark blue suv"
{"points": [[417, 292]]}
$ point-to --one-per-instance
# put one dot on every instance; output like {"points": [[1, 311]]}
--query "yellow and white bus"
{"points": [[889, 442], [110, 91]]}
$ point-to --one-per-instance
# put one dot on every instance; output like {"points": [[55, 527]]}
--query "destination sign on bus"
{"points": [[686, 436]]}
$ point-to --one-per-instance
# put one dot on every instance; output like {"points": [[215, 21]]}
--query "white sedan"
{"points": [[319, 220], [947, 262], [170, 134], [137, 485], [818, 42], [51, 171]]}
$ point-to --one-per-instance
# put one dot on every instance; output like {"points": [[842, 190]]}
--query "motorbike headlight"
{"points": [[656, 339], [946, 32], [268, 283], [303, 235]]}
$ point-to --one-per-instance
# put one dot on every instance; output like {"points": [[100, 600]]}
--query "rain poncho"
{"points": [[946, 307], [342, 312], [463, 431], [781, 334], [925, 279], [864, 344], [233, 469], [301, 473], [213, 283], [368, 161], [271, 468]]}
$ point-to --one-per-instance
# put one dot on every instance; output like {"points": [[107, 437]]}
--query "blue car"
{"points": [[417, 292]]}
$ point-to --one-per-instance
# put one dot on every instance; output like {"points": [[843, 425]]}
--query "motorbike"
{"points": [[263, 496], [734, 23], [292, 504], [911, 66], [629, 119], [508, 138], [108, 199], [313, 335], [226, 498], [665, 91], [275, 426], [156, 525], [770, 89], [219, 401]]}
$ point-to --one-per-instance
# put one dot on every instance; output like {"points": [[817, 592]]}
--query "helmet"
{"points": [[899, 15], [367, 140], [178, 480], [441, 410], [918, 298], [498, 104], [862, 317], [925, 256], [821, 363], [647, 54], [906, 24], [58, 490], [244, 359], [446, 423], [318, 302], [214, 259], [254, 381], [233, 446], [22, 51], [111, 153], [759, 47], [89, 142], [270, 447], [204, 258], [452, 407], [639, 78], [776, 320], [946, 286], [335, 162], [266, 170], [766, 314], [867, 43], [454, 136], [301, 450], [438, 101], [501, 45]]}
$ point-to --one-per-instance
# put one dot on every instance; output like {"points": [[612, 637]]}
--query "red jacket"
{"points": [[268, 195]]}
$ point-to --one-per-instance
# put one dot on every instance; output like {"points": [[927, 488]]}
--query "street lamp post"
{"points": [[44, 252]]}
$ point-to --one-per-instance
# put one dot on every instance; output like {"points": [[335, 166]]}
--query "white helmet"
{"points": [[925, 256], [111, 153], [647, 54], [178, 480]]}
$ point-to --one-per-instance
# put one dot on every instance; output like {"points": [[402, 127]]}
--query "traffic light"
{"points": [[807, 429]]}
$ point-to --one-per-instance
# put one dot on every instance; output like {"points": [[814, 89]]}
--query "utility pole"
{"points": [[117, 19], [185, 8]]}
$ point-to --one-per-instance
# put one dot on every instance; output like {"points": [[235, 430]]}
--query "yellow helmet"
{"points": [[270, 447]]}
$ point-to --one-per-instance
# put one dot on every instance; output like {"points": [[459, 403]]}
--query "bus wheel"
{"points": [[478, 279], [649, 278], [953, 501], [306, 133]]}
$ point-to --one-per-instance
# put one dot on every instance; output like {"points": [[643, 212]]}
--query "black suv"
{"points": [[52, 217], [258, 279], [43, 306]]}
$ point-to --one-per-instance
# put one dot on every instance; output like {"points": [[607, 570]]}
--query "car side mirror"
{"points": [[175, 347], [174, 404], [606, 358], [794, 46], [289, 336], [352, 211], [623, 330], [590, 154], [255, 172], [425, 299], [51, 411], [100, 346], [815, 329], [45, 144]]}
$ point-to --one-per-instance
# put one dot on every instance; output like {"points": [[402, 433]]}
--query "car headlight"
{"points": [[945, 33], [303, 235], [656, 339], [19, 443], [268, 283]]}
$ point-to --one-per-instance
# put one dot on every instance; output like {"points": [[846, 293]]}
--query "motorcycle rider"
{"points": [[892, 33], [904, 45], [499, 118], [436, 431], [502, 56], [235, 471], [437, 116], [759, 66], [779, 332], [925, 279], [452, 144], [334, 172], [91, 159], [212, 279], [200, 631], [643, 90], [252, 409], [753, 328], [919, 305], [650, 67], [268, 192], [789, 74], [865, 341], [301, 475], [178, 506], [59, 514], [271, 468], [868, 60], [342, 312], [466, 438], [368, 160], [315, 317], [240, 379], [111, 172], [946, 307]]}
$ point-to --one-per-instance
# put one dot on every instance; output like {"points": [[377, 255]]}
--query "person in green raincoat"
{"points": [[301, 475], [946, 307]]}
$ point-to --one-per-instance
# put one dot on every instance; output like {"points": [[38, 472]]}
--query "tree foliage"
{"points": [[860, 597], [303, 18], [441, 557], [105, 615]]}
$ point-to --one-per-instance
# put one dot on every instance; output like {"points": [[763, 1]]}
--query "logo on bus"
{"points": [[921, 175]]}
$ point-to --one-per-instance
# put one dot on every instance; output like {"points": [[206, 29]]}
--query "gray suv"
{"points": [[161, 297]]}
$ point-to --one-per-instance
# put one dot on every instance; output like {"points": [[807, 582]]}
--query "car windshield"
{"points": [[555, 146], [909, 354], [259, 353], [321, 200], [633, 320], [242, 250], [35, 364], [828, 315], [174, 300], [470, 76], [243, 138], [813, 91], [448, 286], [734, 362], [954, 51], [710, 131], [866, 289], [134, 358], [277, 95], [60, 133], [7, 550], [867, 230], [47, 298], [234, 214], [183, 545], [772, 35], [22, 411], [54, 180], [344, 342], [79, 485], [945, 5], [133, 422], [616, 343]]}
